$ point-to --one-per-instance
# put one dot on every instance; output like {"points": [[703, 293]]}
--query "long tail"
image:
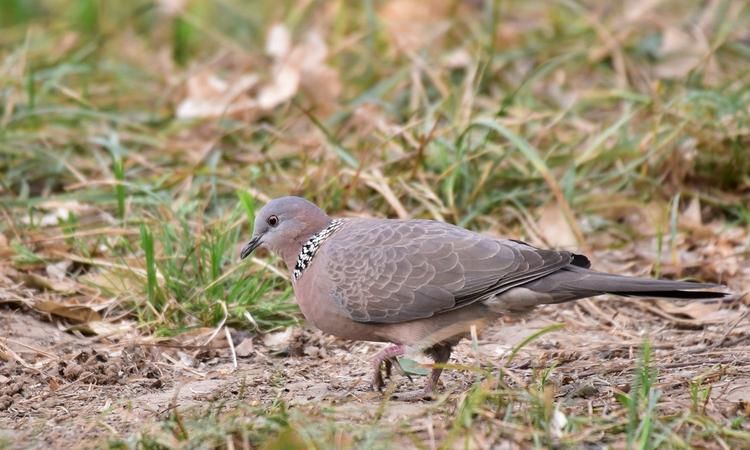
{"points": [[574, 282]]}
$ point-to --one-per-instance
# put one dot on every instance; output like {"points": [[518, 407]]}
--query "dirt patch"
{"points": [[80, 390]]}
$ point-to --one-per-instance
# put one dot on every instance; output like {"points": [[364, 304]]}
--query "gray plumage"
{"points": [[423, 284]]}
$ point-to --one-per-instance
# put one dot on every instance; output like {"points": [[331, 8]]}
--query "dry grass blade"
{"points": [[532, 155]]}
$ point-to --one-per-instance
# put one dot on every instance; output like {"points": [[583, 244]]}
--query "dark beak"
{"points": [[249, 247]]}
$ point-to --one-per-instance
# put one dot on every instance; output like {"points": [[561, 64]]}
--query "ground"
{"points": [[85, 391]]}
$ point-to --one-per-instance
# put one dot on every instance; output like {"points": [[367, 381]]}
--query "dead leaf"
{"points": [[683, 51], [211, 96], [558, 423], [280, 340], [278, 41], [692, 214], [5, 251], [52, 218], [104, 328], [554, 229], [185, 359], [413, 367], [412, 26], [77, 313], [285, 75], [171, 8], [53, 384], [245, 349], [293, 67], [57, 211], [285, 84], [116, 281], [457, 59], [298, 66], [198, 336], [646, 219], [702, 312], [739, 394], [36, 281], [59, 270]]}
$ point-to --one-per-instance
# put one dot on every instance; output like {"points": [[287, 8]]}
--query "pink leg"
{"points": [[439, 353], [385, 357]]}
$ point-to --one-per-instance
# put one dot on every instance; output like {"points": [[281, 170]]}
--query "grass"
{"points": [[509, 108]]}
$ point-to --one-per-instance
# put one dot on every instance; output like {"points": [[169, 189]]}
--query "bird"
{"points": [[421, 285]]}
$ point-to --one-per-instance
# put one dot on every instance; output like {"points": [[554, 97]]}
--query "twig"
{"points": [[231, 346], [731, 328], [221, 324], [594, 310], [181, 366], [41, 352], [7, 350]]}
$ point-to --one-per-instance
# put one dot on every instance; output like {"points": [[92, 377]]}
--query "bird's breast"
{"points": [[313, 294]]}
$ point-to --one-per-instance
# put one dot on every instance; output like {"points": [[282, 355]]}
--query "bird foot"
{"points": [[383, 362]]}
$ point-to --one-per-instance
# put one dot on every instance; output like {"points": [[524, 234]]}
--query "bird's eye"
{"points": [[273, 221]]}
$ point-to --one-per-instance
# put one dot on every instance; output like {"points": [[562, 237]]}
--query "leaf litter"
{"points": [[249, 95]]}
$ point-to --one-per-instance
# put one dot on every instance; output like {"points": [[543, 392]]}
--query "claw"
{"points": [[384, 361], [388, 364], [377, 382]]}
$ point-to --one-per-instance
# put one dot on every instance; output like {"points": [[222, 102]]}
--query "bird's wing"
{"points": [[388, 271]]}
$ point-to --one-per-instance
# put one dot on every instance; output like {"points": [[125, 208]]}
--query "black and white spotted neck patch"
{"points": [[307, 253]]}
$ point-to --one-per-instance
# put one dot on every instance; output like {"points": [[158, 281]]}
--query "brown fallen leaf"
{"points": [[457, 59], [199, 337], [211, 96], [411, 25], [738, 394], [5, 251], [36, 281], [298, 66], [77, 313], [58, 271], [172, 8], [700, 311], [246, 348], [116, 281], [294, 67], [691, 216], [554, 229], [682, 51], [280, 340], [103, 328]]}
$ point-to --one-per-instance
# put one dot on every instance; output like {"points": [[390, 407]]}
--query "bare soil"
{"points": [[62, 389]]}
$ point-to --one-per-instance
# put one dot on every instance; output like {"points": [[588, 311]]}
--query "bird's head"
{"points": [[283, 225]]}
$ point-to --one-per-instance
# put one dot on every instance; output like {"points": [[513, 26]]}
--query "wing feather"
{"points": [[388, 271]]}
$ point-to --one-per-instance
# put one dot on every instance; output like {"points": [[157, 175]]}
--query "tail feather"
{"points": [[687, 295], [573, 282]]}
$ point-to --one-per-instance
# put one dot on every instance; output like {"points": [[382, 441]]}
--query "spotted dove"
{"points": [[421, 284]]}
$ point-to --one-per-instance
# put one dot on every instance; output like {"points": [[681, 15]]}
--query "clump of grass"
{"points": [[195, 280], [641, 403]]}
